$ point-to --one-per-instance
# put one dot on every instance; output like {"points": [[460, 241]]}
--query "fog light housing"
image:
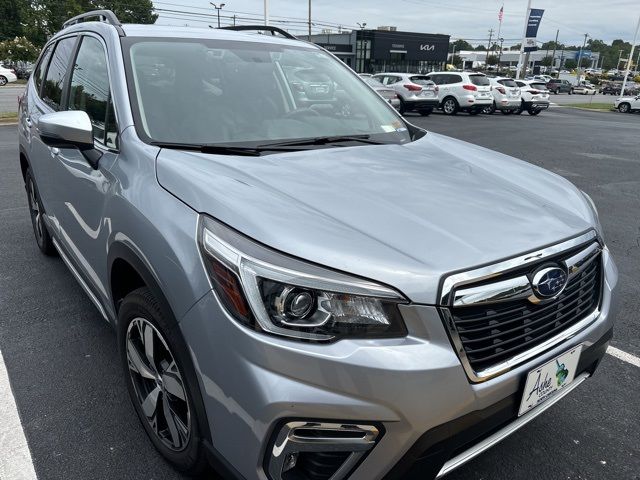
{"points": [[303, 450]]}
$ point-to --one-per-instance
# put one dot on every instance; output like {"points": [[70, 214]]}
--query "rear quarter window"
{"points": [[421, 80], [508, 83], [38, 76]]}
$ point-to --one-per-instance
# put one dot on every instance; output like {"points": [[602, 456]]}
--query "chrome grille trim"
{"points": [[516, 288]]}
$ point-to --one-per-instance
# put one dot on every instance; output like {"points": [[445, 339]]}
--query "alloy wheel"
{"points": [[3, 80], [449, 106], [158, 384], [35, 211]]}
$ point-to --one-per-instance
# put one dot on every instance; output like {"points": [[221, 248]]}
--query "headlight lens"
{"points": [[271, 292]]}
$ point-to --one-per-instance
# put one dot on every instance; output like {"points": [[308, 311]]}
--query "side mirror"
{"points": [[70, 129]]}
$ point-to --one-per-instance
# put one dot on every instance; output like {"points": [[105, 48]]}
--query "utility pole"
{"points": [[218, 8], [500, 54], [524, 38], [633, 46], [234, 20], [309, 20], [586, 35], [619, 57], [555, 45], [266, 13], [486, 61]]}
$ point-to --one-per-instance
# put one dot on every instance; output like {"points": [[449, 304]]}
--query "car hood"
{"points": [[402, 215]]}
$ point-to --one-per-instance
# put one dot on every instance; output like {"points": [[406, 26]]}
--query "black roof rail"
{"points": [[106, 16], [261, 28]]}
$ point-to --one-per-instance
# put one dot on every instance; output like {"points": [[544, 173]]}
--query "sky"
{"points": [[468, 19]]}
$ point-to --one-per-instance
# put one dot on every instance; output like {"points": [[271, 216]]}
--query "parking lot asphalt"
{"points": [[62, 362], [9, 97]]}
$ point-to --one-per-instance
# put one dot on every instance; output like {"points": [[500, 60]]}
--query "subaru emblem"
{"points": [[549, 282]]}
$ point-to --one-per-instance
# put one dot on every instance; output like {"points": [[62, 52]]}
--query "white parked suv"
{"points": [[535, 96], [506, 96], [628, 104], [466, 91], [417, 93], [7, 75]]}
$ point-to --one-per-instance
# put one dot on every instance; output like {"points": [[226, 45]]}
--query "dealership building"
{"points": [[477, 58], [386, 50]]}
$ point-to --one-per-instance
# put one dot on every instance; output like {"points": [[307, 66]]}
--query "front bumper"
{"points": [[252, 382]]}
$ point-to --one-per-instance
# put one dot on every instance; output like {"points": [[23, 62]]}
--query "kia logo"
{"points": [[428, 48]]}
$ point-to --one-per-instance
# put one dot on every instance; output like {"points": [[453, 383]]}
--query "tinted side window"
{"points": [[438, 79], [455, 79], [508, 82], [38, 76], [89, 90], [54, 81]]}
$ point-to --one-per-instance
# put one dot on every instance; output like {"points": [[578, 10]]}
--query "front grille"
{"points": [[491, 334]]}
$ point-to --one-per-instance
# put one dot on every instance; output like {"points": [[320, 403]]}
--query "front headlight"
{"points": [[594, 210], [271, 292]]}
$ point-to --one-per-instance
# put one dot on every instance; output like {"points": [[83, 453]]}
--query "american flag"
{"points": [[501, 13]]}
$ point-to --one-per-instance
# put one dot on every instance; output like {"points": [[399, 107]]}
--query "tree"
{"points": [[547, 61], [18, 49], [481, 48], [461, 44], [456, 61], [570, 63], [492, 60]]}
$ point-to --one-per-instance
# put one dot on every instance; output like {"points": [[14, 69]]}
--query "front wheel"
{"points": [[450, 106], [534, 111], [3, 80], [161, 381], [624, 108]]}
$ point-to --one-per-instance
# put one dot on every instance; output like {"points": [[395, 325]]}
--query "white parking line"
{"points": [[15, 458], [624, 356]]}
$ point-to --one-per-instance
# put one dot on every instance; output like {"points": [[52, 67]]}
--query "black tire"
{"points": [[506, 112], [571, 92], [490, 110], [3, 80], [520, 109], [624, 108], [36, 212], [402, 109], [426, 112], [534, 111], [140, 307], [450, 106]]}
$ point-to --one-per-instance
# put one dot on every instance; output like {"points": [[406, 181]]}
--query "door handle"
{"points": [[28, 122], [54, 151]]}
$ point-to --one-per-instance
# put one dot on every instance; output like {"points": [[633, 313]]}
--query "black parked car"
{"points": [[555, 85]]}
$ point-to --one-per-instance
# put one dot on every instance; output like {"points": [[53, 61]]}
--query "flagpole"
{"points": [[524, 39], [499, 29]]}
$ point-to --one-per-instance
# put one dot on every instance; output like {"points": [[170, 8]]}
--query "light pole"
{"points": [[626, 71], [500, 54], [309, 20], [218, 8]]}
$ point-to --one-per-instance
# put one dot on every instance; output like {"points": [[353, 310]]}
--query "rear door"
{"points": [[48, 99]]}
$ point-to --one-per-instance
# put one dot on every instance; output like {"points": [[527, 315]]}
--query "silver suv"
{"points": [[462, 91], [303, 284]]}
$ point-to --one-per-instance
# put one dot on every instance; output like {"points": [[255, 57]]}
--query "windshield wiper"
{"points": [[324, 141], [223, 149]]}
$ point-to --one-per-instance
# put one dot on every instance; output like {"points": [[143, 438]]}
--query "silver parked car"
{"points": [[389, 94], [304, 285], [417, 93], [506, 96]]}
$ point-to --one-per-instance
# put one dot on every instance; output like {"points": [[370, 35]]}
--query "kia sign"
{"points": [[533, 23], [414, 46]]}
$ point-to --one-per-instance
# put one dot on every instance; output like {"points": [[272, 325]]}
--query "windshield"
{"points": [[203, 92]]}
